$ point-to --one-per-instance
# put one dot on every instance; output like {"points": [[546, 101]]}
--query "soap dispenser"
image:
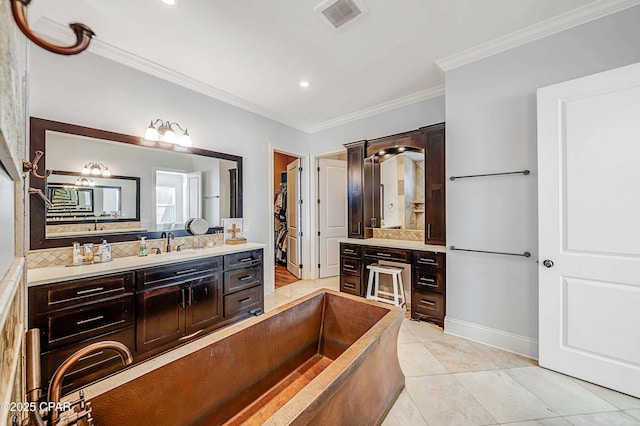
{"points": [[143, 246], [105, 249]]}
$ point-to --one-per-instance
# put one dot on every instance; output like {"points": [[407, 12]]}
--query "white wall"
{"points": [[491, 127], [92, 91], [399, 120]]}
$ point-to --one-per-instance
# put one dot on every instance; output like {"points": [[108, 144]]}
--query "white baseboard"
{"points": [[509, 342]]}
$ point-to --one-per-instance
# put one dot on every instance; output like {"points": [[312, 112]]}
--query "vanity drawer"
{"points": [[242, 259], [349, 284], [242, 302], [351, 250], [241, 279], [428, 279], [385, 253], [61, 295], [92, 367], [350, 266], [427, 306], [429, 258], [166, 274], [72, 325]]}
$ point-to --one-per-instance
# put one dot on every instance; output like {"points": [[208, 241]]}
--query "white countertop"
{"points": [[53, 274], [385, 242]]}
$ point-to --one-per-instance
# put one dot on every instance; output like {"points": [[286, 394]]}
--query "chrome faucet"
{"points": [[169, 236], [55, 388]]}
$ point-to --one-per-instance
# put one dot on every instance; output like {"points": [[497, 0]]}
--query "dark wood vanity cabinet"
{"points": [[363, 180], [363, 201], [435, 182], [176, 301], [428, 287], [150, 310], [428, 280], [72, 314]]}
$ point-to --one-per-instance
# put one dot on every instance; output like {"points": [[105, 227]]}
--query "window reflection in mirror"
{"points": [[402, 191]]}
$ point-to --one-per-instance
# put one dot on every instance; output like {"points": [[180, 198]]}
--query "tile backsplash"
{"points": [[399, 234], [82, 227], [64, 255]]}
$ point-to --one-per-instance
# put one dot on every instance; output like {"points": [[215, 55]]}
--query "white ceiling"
{"points": [[254, 53]]}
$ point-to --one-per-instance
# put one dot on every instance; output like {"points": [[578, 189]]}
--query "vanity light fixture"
{"points": [[83, 181], [96, 169], [165, 133]]}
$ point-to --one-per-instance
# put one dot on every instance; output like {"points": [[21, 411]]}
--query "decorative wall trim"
{"points": [[509, 342], [411, 99], [565, 21], [49, 28]]}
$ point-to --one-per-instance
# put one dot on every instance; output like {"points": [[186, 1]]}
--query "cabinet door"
{"points": [[355, 186], [204, 303], [435, 186], [160, 316]]}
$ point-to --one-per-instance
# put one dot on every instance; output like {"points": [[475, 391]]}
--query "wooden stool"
{"points": [[398, 287]]}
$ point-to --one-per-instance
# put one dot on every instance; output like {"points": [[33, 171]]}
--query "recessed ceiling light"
{"points": [[169, 2], [304, 84]]}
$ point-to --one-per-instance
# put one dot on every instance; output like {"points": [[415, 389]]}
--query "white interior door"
{"points": [[589, 228], [294, 214], [332, 212]]}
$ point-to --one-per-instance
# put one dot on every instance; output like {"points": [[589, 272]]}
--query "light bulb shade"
{"points": [[169, 136], [151, 134], [91, 183], [106, 172], [185, 140], [85, 170], [78, 182], [95, 170]]}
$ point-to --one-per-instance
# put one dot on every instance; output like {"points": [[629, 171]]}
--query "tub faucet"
{"points": [[169, 236], [55, 388]]}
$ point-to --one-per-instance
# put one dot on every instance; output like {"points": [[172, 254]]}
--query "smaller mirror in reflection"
{"points": [[402, 189]]}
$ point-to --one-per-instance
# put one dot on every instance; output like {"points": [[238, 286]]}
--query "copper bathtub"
{"points": [[326, 359]]}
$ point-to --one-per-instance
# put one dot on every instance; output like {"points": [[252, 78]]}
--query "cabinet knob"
{"points": [[548, 263]]}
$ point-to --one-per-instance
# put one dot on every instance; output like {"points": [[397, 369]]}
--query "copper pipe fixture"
{"points": [[55, 388], [82, 32]]}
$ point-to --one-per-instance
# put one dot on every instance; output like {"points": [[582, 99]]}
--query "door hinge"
{"points": [[300, 266], [300, 234], [300, 169], [318, 168], [318, 233], [300, 201], [318, 200], [318, 266]]}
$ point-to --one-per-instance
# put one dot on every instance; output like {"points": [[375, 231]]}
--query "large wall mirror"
{"points": [[148, 187], [398, 174]]}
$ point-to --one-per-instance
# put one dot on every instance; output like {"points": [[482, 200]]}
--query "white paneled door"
{"points": [[332, 212], [294, 218], [589, 228]]}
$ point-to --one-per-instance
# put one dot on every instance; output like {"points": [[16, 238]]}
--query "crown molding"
{"points": [[51, 29], [411, 99], [565, 21]]}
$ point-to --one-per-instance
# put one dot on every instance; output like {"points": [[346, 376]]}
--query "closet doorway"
{"points": [[286, 181]]}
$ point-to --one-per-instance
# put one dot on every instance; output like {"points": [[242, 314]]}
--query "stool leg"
{"points": [[404, 295], [395, 290], [369, 284], [376, 285]]}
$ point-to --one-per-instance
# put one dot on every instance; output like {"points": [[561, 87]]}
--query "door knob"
{"points": [[548, 263]]}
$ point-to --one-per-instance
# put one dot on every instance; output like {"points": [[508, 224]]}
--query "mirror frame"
{"points": [[37, 212], [133, 178]]}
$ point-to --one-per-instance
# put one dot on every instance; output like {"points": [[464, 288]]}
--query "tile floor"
{"points": [[453, 381]]}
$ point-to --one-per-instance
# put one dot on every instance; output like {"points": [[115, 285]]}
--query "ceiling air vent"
{"points": [[338, 12]]}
